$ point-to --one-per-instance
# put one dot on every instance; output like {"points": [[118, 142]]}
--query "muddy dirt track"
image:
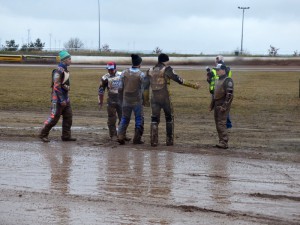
{"points": [[96, 181]]}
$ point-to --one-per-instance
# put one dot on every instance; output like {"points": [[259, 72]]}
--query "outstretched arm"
{"points": [[170, 73]]}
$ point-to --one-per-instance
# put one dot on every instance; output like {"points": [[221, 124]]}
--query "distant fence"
{"points": [[40, 59], [149, 60], [29, 59], [11, 58]]}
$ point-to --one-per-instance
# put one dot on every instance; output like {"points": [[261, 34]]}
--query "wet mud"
{"points": [[97, 181], [68, 183]]}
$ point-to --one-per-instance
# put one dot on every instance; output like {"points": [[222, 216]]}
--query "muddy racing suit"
{"points": [[114, 108], [158, 78], [60, 89], [131, 93], [221, 103], [212, 77]]}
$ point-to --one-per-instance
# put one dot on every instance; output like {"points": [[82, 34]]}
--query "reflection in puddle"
{"points": [[126, 177]]}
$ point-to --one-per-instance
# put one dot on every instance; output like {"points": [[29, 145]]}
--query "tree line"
{"points": [[76, 44], [38, 45], [72, 44]]}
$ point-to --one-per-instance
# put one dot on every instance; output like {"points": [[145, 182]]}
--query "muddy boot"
{"points": [[154, 134], [170, 136], [44, 139], [68, 139], [127, 138], [222, 145], [137, 137], [44, 134], [112, 131], [170, 141], [121, 139]]}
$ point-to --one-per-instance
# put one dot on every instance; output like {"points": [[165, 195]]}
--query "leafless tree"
{"points": [[73, 44], [273, 51], [105, 48], [296, 53], [157, 50]]}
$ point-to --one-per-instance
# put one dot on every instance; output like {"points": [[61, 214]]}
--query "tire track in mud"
{"points": [[269, 196], [184, 209], [253, 217]]}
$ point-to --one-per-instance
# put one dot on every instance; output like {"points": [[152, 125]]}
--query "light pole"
{"points": [[243, 8], [50, 35], [99, 24]]}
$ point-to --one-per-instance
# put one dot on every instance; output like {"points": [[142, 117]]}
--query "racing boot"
{"points": [[68, 138], [66, 130], [127, 138], [44, 134], [137, 139], [112, 133], [44, 139], [121, 139], [170, 136], [154, 134], [222, 145]]}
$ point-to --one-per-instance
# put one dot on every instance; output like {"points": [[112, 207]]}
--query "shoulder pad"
{"points": [[60, 70], [105, 76]]}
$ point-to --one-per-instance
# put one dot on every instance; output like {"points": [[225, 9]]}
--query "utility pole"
{"points": [[243, 8], [50, 35], [28, 37], [99, 47]]}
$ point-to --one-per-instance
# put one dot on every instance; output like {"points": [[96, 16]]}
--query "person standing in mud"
{"points": [[60, 100], [221, 103], [211, 79], [131, 94], [111, 81], [158, 79]]}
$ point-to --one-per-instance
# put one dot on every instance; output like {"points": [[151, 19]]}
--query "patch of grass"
{"points": [[256, 93]]}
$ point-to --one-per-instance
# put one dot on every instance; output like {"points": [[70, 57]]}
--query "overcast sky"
{"points": [[182, 26]]}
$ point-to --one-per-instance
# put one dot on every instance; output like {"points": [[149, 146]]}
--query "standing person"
{"points": [[60, 100], [158, 78], [212, 77], [111, 81], [131, 93], [221, 103]]}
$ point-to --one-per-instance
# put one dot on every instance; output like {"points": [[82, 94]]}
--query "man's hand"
{"points": [[197, 86]]}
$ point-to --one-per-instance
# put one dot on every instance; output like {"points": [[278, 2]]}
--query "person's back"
{"points": [[158, 78], [132, 85], [131, 94]]}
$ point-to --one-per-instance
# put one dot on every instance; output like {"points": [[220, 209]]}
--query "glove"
{"points": [[188, 84]]}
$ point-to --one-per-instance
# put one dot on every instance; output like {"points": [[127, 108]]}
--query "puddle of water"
{"points": [[77, 128], [160, 178]]}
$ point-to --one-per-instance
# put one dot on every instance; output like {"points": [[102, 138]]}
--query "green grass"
{"points": [[255, 92]]}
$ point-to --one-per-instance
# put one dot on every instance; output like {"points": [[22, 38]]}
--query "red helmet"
{"points": [[111, 66]]}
